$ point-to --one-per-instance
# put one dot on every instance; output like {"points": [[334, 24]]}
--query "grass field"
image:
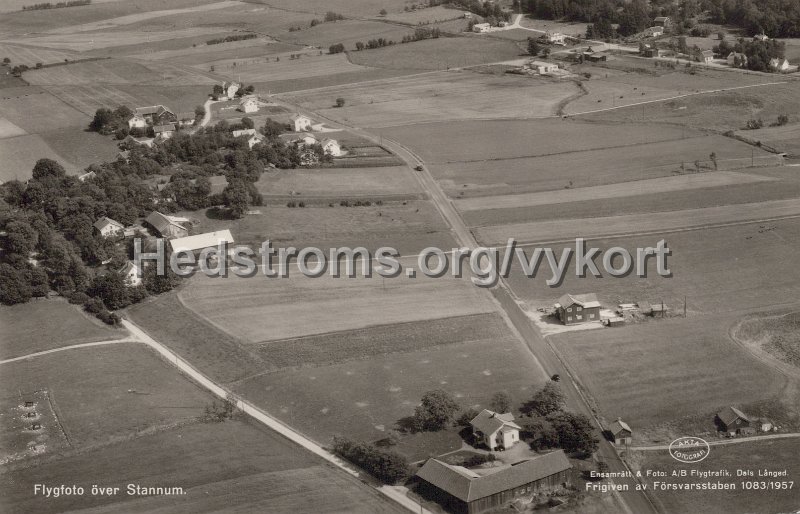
{"points": [[364, 343], [107, 393], [671, 369], [31, 55], [450, 95], [35, 110], [750, 263], [270, 309], [621, 190], [221, 466], [21, 153], [337, 183], [365, 398], [264, 69], [8, 129], [425, 16], [408, 226], [438, 54], [559, 230], [784, 139], [114, 71], [775, 334], [25, 333], [346, 32], [770, 455]]}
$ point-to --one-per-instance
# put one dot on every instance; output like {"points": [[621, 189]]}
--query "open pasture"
{"points": [[270, 309], [675, 373], [570, 29], [784, 139], [453, 95], [70, 40], [265, 69], [365, 343], [558, 230], [109, 393], [88, 98], [438, 54], [408, 226], [346, 32], [31, 55], [716, 270], [24, 332], [776, 455], [35, 110], [652, 200], [113, 71], [203, 54], [489, 140], [81, 148], [427, 15], [336, 183], [8, 129], [363, 399], [620, 190], [21, 153], [235, 465]]}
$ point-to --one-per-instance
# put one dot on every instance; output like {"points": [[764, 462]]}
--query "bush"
{"points": [[94, 305], [78, 298], [387, 466], [478, 459]]}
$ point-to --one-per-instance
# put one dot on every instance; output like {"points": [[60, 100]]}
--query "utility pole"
{"points": [[684, 306]]}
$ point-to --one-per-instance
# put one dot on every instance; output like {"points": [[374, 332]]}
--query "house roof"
{"points": [[244, 132], [200, 241], [586, 301], [729, 415], [247, 99], [328, 141], [298, 116], [105, 222], [128, 268], [161, 222], [169, 127], [468, 486], [151, 109], [490, 422], [618, 426]]}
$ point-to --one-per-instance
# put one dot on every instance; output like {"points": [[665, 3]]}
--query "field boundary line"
{"points": [[64, 348], [264, 418]]}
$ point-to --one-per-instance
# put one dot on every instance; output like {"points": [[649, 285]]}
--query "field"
{"points": [[783, 139], [367, 397], [438, 54], [454, 95], [429, 15], [261, 69], [113, 71], [766, 455], [27, 334], [408, 226], [269, 309], [672, 371], [220, 466], [337, 183], [105, 394], [346, 32], [21, 153], [31, 55], [775, 334]]}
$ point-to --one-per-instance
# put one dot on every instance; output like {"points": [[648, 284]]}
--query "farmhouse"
{"points": [[579, 308], [132, 274], [331, 147], [662, 21], [737, 60], [496, 431], [154, 115], [231, 89], [137, 121], [248, 104], [304, 140], [481, 28], [464, 491], [706, 56], [621, 432], [167, 226], [735, 422], [555, 38], [592, 56], [197, 243], [541, 67], [300, 122], [779, 64], [253, 137], [87, 176], [107, 227], [654, 31], [164, 131], [124, 156]]}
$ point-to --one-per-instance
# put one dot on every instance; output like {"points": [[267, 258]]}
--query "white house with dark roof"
{"points": [[108, 227], [495, 430], [465, 491], [776, 64], [249, 104], [300, 122], [577, 308], [332, 147], [132, 274]]}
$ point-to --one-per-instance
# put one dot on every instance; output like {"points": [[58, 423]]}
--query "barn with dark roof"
{"points": [[464, 491]]}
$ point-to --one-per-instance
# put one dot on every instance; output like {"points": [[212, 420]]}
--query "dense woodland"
{"points": [[49, 243]]}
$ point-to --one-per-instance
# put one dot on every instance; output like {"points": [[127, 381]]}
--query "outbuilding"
{"points": [[621, 433]]}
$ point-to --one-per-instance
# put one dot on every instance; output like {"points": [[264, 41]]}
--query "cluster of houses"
{"points": [[161, 119], [172, 228]]}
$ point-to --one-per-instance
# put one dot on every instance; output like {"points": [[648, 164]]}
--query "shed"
{"points": [[621, 432]]}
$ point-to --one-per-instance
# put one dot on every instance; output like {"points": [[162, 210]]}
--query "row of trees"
{"points": [[57, 5], [481, 8], [757, 53]]}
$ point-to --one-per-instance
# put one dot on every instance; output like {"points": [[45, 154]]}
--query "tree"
{"points": [[500, 402], [199, 111], [713, 157], [6, 60], [437, 410], [102, 118], [546, 52], [236, 198], [248, 122], [359, 45], [336, 49], [533, 46], [14, 288], [383, 12], [48, 168], [340, 102], [539, 432], [575, 432], [547, 400], [217, 90], [112, 289]]}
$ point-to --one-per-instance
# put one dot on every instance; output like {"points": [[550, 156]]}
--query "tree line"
{"points": [[57, 5]]}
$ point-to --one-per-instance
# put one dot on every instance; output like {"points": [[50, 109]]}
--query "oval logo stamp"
{"points": [[689, 449]]}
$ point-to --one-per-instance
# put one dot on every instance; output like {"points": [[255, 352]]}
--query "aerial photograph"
{"points": [[400, 256]]}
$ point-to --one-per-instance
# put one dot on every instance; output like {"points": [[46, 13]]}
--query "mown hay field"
{"points": [[337, 183], [24, 331]]}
